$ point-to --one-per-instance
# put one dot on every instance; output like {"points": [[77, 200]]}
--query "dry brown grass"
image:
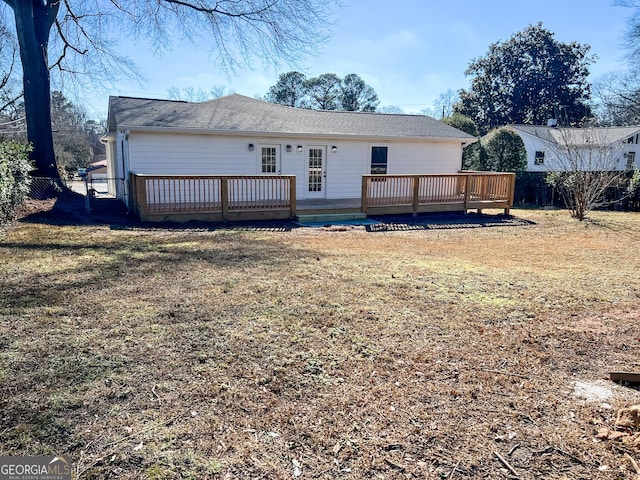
{"points": [[320, 353]]}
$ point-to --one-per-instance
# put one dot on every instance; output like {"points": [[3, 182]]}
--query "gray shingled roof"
{"points": [[578, 136], [237, 113]]}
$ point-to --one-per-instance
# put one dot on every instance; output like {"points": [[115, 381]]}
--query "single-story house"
{"points": [[597, 148], [327, 151]]}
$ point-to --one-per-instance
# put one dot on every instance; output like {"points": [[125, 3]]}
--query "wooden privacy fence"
{"points": [[212, 197], [391, 194]]}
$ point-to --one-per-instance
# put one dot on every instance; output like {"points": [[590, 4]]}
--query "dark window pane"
{"points": [[379, 160]]}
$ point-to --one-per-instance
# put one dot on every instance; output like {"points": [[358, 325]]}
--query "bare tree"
{"points": [[632, 35], [10, 93], [618, 93], [197, 94], [618, 96], [445, 103], [74, 37], [584, 165]]}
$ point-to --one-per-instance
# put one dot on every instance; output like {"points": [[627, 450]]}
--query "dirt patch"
{"points": [[34, 207]]}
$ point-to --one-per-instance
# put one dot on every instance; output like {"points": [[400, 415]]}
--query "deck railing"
{"points": [[213, 197], [252, 197], [385, 194]]}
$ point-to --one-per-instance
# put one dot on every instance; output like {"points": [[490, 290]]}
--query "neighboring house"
{"points": [[97, 170], [610, 148], [97, 177], [327, 151]]}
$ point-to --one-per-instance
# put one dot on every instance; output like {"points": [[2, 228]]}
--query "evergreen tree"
{"points": [[528, 79]]}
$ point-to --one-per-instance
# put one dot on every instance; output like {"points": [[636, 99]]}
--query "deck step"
{"points": [[330, 217]]}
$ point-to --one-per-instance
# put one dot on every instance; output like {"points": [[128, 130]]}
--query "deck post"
{"points": [[363, 195], [416, 193], [141, 196], [131, 194], [292, 195], [467, 189], [512, 192], [224, 197]]}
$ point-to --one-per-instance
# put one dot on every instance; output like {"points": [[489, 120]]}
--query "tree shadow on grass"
{"points": [[72, 209], [445, 221]]}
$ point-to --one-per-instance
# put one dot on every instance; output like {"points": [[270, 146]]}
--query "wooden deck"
{"points": [[337, 206], [266, 197]]}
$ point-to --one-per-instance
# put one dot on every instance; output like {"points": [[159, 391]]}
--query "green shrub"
{"points": [[500, 151], [14, 178], [633, 189], [505, 151]]}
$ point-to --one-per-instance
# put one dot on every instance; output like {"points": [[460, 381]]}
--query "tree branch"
{"points": [[216, 10], [11, 101]]}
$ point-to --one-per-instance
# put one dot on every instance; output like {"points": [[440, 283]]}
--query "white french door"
{"points": [[316, 171]]}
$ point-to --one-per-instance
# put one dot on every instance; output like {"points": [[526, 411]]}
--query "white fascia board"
{"points": [[334, 136]]}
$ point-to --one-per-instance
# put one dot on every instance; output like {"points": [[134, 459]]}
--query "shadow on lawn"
{"points": [[444, 221], [70, 209]]}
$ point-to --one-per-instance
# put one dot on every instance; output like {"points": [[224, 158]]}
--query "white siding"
{"points": [[191, 154], [611, 157], [353, 159], [179, 154], [533, 144], [293, 163], [345, 169], [434, 157]]}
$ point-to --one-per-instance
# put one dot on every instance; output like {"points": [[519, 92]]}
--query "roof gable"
{"points": [[237, 113]]}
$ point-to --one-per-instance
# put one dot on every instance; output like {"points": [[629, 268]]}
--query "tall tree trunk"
{"points": [[34, 19]]}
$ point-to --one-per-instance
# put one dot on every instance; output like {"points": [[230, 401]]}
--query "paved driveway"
{"points": [[78, 186]]}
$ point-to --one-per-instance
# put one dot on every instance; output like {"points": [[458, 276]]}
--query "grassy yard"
{"points": [[321, 353]]}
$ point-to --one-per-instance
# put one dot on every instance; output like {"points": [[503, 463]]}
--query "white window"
{"points": [[630, 157], [269, 159]]}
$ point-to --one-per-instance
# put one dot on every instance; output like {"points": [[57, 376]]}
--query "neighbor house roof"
{"points": [[100, 163], [578, 136], [239, 114]]}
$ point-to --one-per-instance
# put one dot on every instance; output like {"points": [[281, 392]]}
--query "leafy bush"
{"points": [[14, 178], [505, 151], [501, 151]]}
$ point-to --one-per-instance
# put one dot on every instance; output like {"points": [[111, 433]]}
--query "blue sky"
{"points": [[410, 51]]}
